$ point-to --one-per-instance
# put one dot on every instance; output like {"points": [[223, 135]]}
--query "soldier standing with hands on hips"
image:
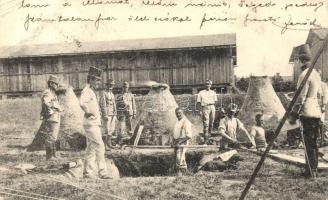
{"points": [[50, 115], [206, 99], [108, 110], [309, 110], [95, 151], [126, 110]]}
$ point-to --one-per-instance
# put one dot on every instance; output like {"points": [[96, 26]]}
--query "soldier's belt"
{"points": [[211, 104]]}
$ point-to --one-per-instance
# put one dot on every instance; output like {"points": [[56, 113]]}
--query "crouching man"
{"points": [[182, 133], [50, 115], [229, 127], [95, 151]]}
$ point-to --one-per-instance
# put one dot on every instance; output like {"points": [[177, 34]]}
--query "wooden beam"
{"points": [[280, 157]]}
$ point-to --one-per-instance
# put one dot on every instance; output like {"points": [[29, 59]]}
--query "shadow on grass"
{"points": [[17, 146]]}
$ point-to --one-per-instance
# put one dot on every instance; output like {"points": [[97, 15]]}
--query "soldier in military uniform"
{"points": [[206, 99], [230, 126], [95, 151], [126, 110], [309, 110], [108, 110], [50, 115]]}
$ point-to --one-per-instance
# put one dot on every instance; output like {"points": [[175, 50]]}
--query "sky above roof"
{"points": [[262, 49]]}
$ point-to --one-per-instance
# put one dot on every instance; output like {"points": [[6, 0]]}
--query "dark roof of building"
{"points": [[319, 33], [294, 54], [218, 40]]}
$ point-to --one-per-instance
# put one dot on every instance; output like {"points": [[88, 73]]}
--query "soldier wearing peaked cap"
{"points": [[126, 110], [309, 110], [50, 115], [95, 163], [108, 110]]}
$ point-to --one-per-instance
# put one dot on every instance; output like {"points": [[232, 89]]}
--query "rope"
{"points": [[102, 193], [17, 195], [30, 193]]}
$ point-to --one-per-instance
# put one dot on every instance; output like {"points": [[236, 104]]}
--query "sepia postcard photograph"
{"points": [[163, 99]]}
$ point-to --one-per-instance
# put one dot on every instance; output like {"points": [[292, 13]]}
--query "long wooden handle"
{"points": [[283, 120]]}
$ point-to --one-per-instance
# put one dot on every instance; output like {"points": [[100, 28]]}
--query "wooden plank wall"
{"points": [[183, 67]]}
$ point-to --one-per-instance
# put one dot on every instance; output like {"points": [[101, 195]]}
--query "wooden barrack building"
{"points": [[182, 62]]}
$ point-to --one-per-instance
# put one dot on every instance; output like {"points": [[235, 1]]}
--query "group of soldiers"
{"points": [[98, 110], [103, 110]]}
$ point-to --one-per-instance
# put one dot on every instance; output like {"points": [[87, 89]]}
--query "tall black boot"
{"points": [[48, 152], [54, 148], [107, 142]]}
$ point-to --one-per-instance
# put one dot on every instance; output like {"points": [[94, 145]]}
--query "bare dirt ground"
{"points": [[20, 121]]}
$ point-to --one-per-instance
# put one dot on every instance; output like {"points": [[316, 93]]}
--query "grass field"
{"points": [[20, 121]]}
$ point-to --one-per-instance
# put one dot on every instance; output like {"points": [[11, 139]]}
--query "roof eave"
{"points": [[123, 51]]}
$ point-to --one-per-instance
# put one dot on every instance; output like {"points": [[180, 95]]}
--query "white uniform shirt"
{"points": [[182, 128], [309, 94], [323, 93], [206, 97], [89, 101], [230, 126]]}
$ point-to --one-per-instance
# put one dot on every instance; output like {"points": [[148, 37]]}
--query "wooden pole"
{"points": [[169, 147], [283, 120]]}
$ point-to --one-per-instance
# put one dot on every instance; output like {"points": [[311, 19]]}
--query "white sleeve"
{"points": [[84, 99], [222, 126], [324, 93], [305, 88], [215, 97], [199, 97], [188, 129]]}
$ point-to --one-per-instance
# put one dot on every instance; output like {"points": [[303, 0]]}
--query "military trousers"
{"points": [[110, 125], [208, 116], [180, 158], [125, 124], [50, 131], [95, 151], [311, 130]]}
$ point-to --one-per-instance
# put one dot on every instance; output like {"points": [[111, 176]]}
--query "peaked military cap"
{"points": [[54, 79], [304, 52], [110, 82], [95, 72]]}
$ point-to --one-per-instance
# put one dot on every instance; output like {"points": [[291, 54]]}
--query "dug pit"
{"points": [[154, 162]]}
